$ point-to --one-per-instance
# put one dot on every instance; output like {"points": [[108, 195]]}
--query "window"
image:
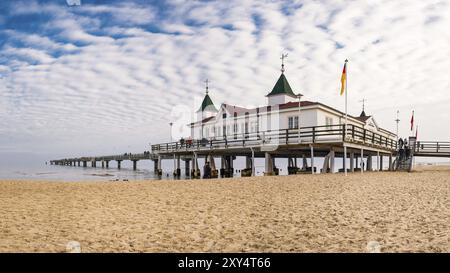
{"points": [[293, 122], [328, 122], [224, 115]]}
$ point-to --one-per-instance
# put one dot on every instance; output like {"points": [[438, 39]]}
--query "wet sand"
{"points": [[404, 212]]}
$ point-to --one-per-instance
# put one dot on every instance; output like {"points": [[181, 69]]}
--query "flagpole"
{"points": [[346, 80], [345, 126]]}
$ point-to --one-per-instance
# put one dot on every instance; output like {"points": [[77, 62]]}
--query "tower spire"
{"points": [[207, 87], [363, 113], [283, 56]]}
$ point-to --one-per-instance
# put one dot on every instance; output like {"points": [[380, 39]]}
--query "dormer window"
{"points": [[224, 115]]}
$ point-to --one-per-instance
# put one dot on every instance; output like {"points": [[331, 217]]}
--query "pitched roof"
{"points": [[207, 103], [293, 104], [282, 87], [236, 109], [202, 121], [363, 118]]}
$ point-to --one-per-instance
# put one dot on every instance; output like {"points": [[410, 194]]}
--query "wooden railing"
{"points": [[126, 156], [314, 134], [432, 147]]}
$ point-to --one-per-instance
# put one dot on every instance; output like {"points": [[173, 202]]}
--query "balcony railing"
{"points": [[313, 134]]}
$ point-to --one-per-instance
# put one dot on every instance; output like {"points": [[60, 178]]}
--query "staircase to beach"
{"points": [[405, 164]]}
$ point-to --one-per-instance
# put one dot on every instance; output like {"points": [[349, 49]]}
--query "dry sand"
{"points": [[404, 212]]}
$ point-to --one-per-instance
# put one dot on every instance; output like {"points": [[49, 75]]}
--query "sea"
{"points": [[42, 170]]}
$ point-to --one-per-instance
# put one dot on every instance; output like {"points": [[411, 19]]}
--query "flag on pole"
{"points": [[343, 78], [417, 131], [412, 121]]}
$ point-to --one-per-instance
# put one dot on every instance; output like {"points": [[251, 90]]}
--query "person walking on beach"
{"points": [[206, 171]]}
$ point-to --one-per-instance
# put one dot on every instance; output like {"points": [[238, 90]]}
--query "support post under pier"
{"points": [[352, 162], [176, 166], [195, 172], [186, 167], [344, 158], [268, 166], [391, 167], [362, 161], [159, 168], [369, 163]]}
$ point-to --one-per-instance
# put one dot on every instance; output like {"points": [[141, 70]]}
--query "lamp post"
{"points": [[397, 121], [299, 96], [171, 123]]}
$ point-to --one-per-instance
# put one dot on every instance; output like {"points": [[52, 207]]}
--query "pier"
{"points": [[352, 144]]}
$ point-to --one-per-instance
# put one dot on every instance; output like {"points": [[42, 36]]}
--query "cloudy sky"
{"points": [[108, 76]]}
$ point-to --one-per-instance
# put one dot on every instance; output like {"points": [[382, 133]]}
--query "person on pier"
{"points": [[401, 151]]}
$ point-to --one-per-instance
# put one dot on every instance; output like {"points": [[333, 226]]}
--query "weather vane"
{"points": [[283, 56], [363, 102], [206, 82]]}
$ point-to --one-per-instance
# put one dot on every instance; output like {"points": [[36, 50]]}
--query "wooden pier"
{"points": [[329, 142], [351, 144]]}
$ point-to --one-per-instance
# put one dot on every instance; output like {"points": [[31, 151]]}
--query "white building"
{"points": [[282, 112]]}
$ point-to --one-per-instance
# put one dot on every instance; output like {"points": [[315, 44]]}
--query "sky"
{"points": [[86, 77]]}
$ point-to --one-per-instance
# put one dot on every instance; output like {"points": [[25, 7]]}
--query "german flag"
{"points": [[343, 78]]}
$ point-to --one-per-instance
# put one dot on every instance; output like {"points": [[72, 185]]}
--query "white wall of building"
{"points": [[279, 99]]}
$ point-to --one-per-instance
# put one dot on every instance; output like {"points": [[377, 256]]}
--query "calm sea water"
{"points": [[144, 171]]}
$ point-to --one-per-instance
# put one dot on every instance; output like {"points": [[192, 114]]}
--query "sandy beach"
{"points": [[404, 212]]}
